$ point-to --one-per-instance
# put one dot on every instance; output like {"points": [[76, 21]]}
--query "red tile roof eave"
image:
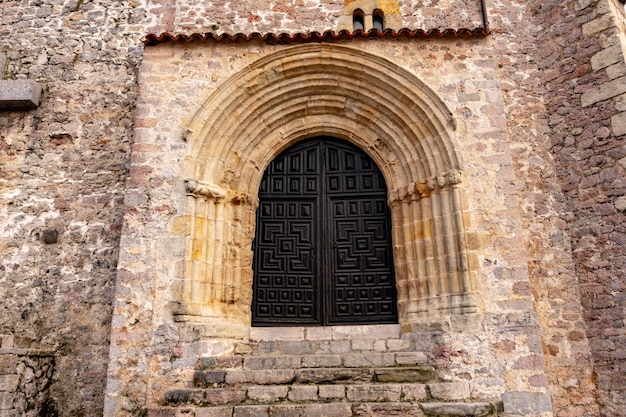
{"points": [[329, 35]]}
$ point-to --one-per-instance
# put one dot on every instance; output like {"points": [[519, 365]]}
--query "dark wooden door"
{"points": [[322, 252]]}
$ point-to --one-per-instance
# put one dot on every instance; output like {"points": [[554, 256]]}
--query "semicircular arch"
{"points": [[311, 89], [326, 90]]}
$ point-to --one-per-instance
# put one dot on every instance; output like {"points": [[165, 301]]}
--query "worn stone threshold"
{"points": [[316, 333]]}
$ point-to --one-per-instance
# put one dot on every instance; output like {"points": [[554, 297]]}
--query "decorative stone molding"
{"points": [[321, 89]]}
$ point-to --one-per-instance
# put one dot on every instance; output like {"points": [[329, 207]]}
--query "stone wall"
{"points": [[581, 61], [554, 87], [25, 377], [62, 172], [498, 350]]}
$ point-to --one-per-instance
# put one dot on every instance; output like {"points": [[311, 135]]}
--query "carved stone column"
{"points": [[218, 262]]}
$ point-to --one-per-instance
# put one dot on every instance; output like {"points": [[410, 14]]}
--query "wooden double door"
{"points": [[322, 251]]}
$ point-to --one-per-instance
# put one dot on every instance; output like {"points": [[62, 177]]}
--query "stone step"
{"points": [[234, 377], [351, 360], [338, 409], [280, 347], [306, 393]]}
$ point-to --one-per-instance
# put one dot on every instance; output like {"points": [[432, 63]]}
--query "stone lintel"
{"points": [[19, 94]]}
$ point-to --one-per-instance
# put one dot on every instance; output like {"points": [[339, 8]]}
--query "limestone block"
{"points": [[422, 373], [267, 394], [333, 375], [618, 124], [365, 393], [414, 392], [456, 409], [277, 333], [411, 358], [368, 359], [303, 393], [606, 57], [19, 94], [605, 91], [251, 411], [312, 410], [620, 203], [262, 377], [450, 391], [218, 396], [8, 382], [598, 25], [213, 411], [321, 361], [327, 392], [526, 403], [272, 362], [299, 348]]}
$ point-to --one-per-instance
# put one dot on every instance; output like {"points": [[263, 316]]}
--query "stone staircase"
{"points": [[322, 378]]}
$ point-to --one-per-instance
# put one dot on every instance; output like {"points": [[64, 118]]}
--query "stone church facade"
{"points": [[138, 140]]}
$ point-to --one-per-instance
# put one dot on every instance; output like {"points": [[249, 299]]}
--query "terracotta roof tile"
{"points": [[329, 35]]}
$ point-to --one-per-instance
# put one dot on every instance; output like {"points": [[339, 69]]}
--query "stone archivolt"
{"points": [[322, 89]]}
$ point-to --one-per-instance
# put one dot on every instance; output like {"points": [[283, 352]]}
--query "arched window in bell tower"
{"points": [[358, 20], [378, 17]]}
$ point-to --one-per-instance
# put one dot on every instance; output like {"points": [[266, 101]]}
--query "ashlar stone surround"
{"points": [[210, 118]]}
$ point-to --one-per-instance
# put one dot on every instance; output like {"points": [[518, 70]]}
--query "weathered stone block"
{"points": [[171, 412], [268, 334], [311, 410], [331, 392], [411, 358], [251, 411], [300, 393], [203, 379], [414, 392], [218, 396], [395, 345], [608, 56], [261, 377], [369, 359], [321, 361], [333, 376], [526, 403], [6, 400], [268, 394], [413, 374], [605, 91], [271, 362], [8, 382], [177, 396], [365, 393], [299, 348], [8, 364], [598, 25], [450, 391], [382, 331], [457, 409], [19, 94], [618, 124], [213, 411], [335, 346], [387, 409]]}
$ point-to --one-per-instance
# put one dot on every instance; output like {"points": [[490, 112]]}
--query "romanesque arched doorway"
{"points": [[322, 251], [303, 91]]}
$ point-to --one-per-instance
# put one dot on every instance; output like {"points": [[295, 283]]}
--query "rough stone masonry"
{"points": [[503, 153]]}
